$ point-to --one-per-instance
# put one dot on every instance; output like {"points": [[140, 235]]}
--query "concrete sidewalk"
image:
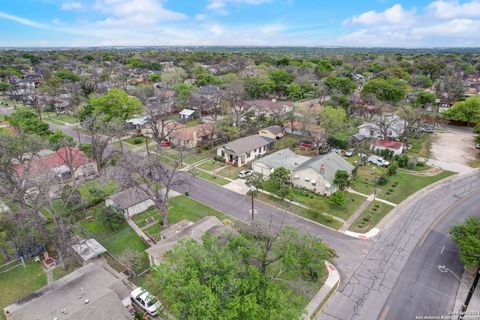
{"points": [[474, 305], [314, 307]]}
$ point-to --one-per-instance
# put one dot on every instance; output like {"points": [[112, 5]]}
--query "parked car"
{"points": [[350, 152], [165, 144], [146, 301], [306, 146], [245, 173], [379, 161], [337, 151]]}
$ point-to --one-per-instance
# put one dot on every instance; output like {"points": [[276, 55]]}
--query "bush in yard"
{"points": [[280, 176], [138, 140], [392, 169], [412, 163], [219, 159], [383, 180], [403, 161], [110, 217], [132, 260], [338, 199], [342, 179]]}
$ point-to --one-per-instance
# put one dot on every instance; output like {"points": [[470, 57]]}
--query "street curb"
{"points": [[323, 296]]}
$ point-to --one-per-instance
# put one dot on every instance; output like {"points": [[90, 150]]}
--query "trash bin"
{"points": [[187, 193]]}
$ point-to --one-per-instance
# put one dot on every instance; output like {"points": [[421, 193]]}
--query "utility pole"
{"points": [[470, 292], [78, 134], [253, 208]]}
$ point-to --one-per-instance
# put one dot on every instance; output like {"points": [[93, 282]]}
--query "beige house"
{"points": [[183, 230], [285, 158], [192, 136], [245, 150], [318, 173]]}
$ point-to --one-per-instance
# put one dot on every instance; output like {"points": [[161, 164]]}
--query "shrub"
{"points": [[110, 217], [392, 169], [219, 159], [338, 199], [383, 180], [328, 219], [412, 163], [403, 161]]}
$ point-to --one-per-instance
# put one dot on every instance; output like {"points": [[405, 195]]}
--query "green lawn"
{"points": [[192, 123], [137, 140], [311, 214], [169, 162], [118, 241], [366, 178], [403, 185], [288, 141], [211, 165], [179, 208], [59, 119], [20, 282], [106, 189], [212, 178], [231, 171], [370, 216], [321, 203]]}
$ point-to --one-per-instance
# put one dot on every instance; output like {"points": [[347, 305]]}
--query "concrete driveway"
{"points": [[238, 186], [454, 149]]}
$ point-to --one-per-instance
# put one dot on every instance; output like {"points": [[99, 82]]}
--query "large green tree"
{"points": [[115, 104], [388, 90], [28, 122], [237, 276], [467, 238], [468, 111]]}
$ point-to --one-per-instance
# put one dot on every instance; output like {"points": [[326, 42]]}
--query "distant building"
{"points": [[245, 150], [190, 137], [394, 127], [188, 114], [270, 107], [272, 132], [92, 292]]}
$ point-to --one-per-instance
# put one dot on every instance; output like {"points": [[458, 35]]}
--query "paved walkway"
{"points": [[356, 214], [314, 307]]}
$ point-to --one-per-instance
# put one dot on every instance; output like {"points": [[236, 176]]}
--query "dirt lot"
{"points": [[454, 149]]}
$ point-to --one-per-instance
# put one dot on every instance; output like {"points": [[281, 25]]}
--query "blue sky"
{"points": [[353, 23]]}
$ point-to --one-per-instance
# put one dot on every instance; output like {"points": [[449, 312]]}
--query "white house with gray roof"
{"points": [[245, 150], [318, 173], [283, 158]]}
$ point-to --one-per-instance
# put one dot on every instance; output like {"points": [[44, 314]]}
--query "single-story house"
{"points": [[137, 123], [272, 132], [60, 163], [132, 201], [191, 137], [394, 127], [188, 114], [184, 230], [245, 150], [270, 107], [94, 291], [395, 146], [283, 158], [318, 173]]}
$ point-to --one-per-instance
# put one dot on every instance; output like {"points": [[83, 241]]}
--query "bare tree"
{"points": [[158, 112], [149, 176], [102, 133], [235, 96]]}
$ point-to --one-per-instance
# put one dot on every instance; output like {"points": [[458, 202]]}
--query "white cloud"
{"points": [[220, 6], [442, 9], [395, 15], [21, 20], [72, 6], [136, 12]]}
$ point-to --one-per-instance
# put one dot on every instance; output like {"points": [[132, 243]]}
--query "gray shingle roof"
{"points": [[128, 198], [283, 158], [274, 129], [331, 163], [246, 144]]}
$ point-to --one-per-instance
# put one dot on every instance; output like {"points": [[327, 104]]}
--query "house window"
{"points": [[371, 132], [248, 154], [314, 182]]}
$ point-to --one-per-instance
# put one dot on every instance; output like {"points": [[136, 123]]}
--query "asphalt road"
{"points": [[422, 289], [350, 251], [385, 272]]}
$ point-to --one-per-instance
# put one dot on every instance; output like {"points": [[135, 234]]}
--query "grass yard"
{"points": [[307, 213], [179, 208], [20, 282], [169, 162], [231, 172], [475, 163], [288, 141], [59, 119], [366, 178], [403, 185], [321, 203], [192, 123], [211, 165], [191, 156], [420, 145], [118, 241], [137, 140], [370, 217], [212, 178], [106, 189]]}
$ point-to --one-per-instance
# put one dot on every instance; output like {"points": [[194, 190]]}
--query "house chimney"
{"points": [[322, 169], [274, 100]]}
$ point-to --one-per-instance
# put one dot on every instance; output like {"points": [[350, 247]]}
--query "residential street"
{"points": [[422, 289], [350, 251], [363, 295]]}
